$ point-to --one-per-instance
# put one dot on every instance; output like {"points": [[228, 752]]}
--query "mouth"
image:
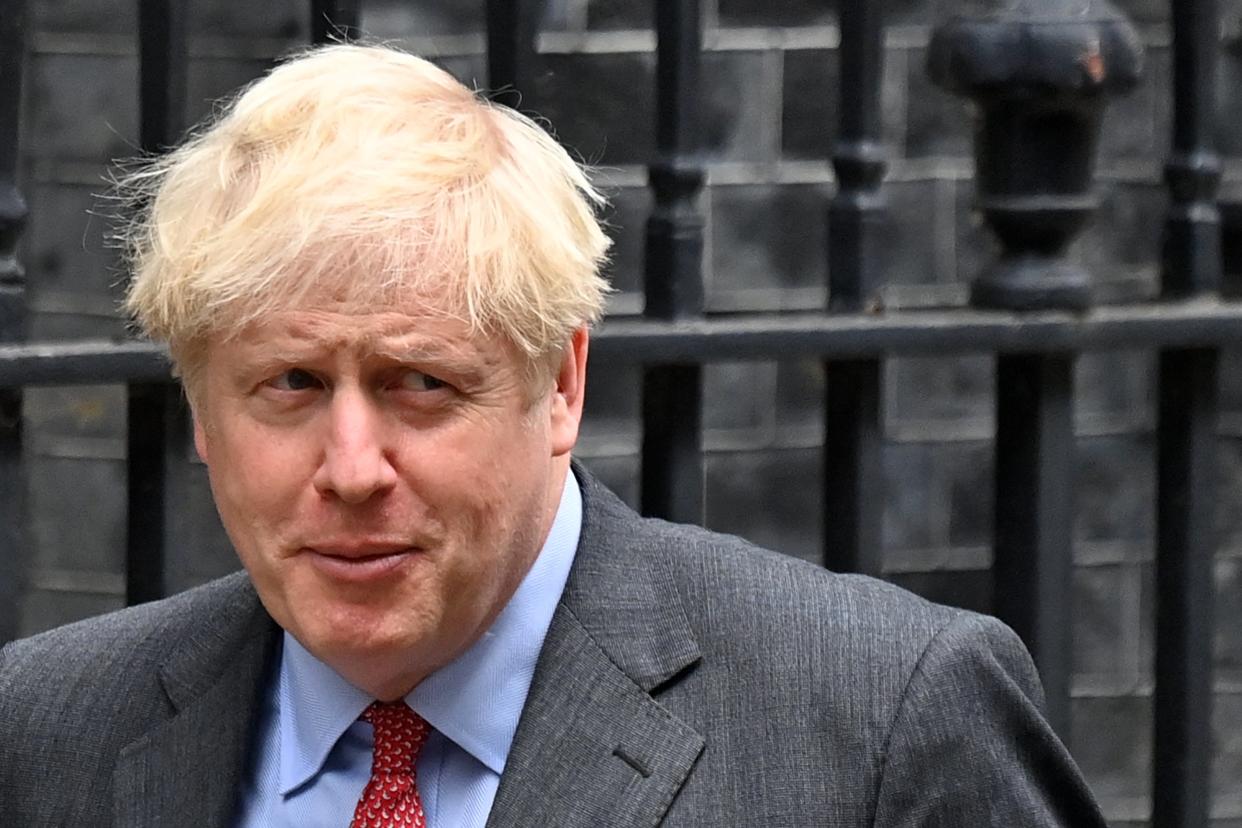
{"points": [[359, 564]]}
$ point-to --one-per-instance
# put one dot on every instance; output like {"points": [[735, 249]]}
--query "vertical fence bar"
{"points": [[13, 546], [1186, 433], [1034, 515], [672, 450], [152, 407], [334, 20], [1184, 586], [512, 27], [1192, 230], [853, 431], [1040, 112]]}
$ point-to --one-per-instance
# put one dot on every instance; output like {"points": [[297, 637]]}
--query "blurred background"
{"points": [[769, 103]]}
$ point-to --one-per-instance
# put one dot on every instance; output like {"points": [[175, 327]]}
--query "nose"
{"points": [[356, 464]]}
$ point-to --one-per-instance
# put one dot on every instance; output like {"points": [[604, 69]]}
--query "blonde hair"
{"points": [[369, 176]]}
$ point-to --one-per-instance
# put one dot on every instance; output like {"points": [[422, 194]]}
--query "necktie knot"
{"points": [[391, 798], [399, 736]]}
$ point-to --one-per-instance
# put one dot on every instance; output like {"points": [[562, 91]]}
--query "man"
{"points": [[377, 288]]}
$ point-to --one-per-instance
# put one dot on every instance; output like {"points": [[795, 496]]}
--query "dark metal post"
{"points": [[13, 547], [163, 60], [1041, 75], [335, 20], [1034, 514], [672, 456], [1185, 531], [512, 29], [151, 407], [1186, 430], [1192, 231], [853, 496]]}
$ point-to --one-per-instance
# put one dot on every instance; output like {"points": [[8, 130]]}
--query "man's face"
{"points": [[387, 478]]}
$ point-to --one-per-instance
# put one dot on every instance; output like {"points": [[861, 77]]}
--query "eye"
{"points": [[295, 379], [418, 381]]}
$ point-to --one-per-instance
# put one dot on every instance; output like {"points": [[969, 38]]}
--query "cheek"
{"points": [[504, 518], [256, 479], [465, 465]]}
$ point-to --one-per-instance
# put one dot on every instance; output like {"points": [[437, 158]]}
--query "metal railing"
{"points": [[1041, 79]]}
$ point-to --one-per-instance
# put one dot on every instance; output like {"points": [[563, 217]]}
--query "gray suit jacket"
{"points": [[688, 679]]}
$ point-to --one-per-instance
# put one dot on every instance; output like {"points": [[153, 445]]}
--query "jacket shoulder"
{"points": [[114, 643], [875, 685], [747, 605], [770, 593], [72, 698], [104, 669]]}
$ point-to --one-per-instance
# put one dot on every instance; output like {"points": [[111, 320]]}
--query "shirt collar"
{"points": [[316, 706], [475, 700]]}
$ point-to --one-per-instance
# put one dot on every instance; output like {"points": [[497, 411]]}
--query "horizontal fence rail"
{"points": [[1199, 323]]}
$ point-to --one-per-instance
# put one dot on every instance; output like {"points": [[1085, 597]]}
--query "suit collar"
{"points": [[623, 595], [593, 745], [186, 769]]}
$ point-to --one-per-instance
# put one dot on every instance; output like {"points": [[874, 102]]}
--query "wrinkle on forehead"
{"points": [[355, 292], [394, 335]]}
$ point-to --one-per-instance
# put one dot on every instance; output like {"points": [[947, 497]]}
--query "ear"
{"points": [[568, 394], [200, 436]]}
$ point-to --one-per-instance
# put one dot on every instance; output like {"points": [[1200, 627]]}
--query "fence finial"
{"points": [[1041, 74]]}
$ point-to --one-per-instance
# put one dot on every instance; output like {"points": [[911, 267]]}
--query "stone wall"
{"points": [[769, 97]]}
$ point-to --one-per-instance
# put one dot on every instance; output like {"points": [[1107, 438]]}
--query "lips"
{"points": [[358, 563]]}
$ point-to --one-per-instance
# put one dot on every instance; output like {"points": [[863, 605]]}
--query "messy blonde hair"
{"points": [[369, 176]]}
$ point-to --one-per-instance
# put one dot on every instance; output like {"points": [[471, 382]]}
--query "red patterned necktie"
{"points": [[390, 799]]}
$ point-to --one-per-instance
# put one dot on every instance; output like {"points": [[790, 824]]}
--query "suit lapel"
{"points": [[186, 770], [594, 747]]}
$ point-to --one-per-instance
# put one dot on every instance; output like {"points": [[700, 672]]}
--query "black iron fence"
{"points": [[1041, 75]]}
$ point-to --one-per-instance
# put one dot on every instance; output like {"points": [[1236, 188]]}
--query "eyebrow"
{"points": [[417, 351], [425, 351]]}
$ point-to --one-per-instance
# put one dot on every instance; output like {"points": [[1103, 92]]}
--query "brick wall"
{"points": [[769, 98]]}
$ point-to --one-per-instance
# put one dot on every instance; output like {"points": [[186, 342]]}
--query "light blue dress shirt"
{"points": [[313, 757]]}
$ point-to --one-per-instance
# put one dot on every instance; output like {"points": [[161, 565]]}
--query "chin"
{"points": [[387, 667], [363, 633]]}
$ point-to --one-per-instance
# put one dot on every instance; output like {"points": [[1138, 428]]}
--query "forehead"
{"points": [[341, 330]]}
